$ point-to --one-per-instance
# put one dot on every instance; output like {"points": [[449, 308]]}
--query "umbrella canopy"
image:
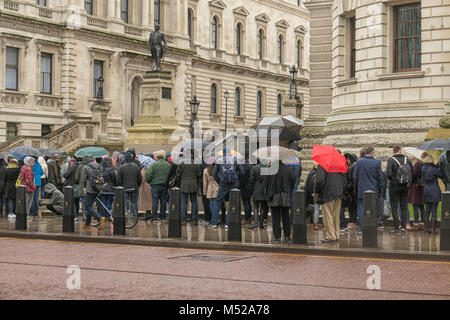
{"points": [[146, 161], [329, 158], [16, 155], [276, 153], [96, 152], [437, 144], [28, 151], [289, 126], [413, 152], [52, 152]]}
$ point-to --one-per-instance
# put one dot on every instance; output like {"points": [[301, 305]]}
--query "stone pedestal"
{"points": [[293, 107], [156, 121]]}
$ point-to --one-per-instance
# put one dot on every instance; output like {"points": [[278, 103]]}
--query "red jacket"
{"points": [[27, 178]]}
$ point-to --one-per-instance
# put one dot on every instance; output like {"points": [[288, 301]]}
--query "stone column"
{"points": [[118, 9], [111, 9], [145, 12]]}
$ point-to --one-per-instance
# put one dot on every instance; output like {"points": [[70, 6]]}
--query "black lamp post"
{"points": [[226, 95], [293, 86], [99, 94], [194, 110]]}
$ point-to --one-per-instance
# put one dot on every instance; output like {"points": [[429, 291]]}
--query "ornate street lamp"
{"points": [[293, 86], [194, 110]]}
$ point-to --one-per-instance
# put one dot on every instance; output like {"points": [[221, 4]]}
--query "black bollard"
{"points": [[299, 219], [119, 212], [68, 213], [370, 222], [175, 213], [234, 220], [445, 221], [21, 208]]}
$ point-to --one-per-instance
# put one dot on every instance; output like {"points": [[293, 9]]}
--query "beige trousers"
{"points": [[331, 212]]}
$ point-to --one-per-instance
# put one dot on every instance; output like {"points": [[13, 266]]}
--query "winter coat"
{"points": [[87, 175], [2, 178], [145, 194], [37, 172], [172, 173], [210, 186], [278, 187], [329, 185], [157, 173], [190, 176], [53, 173], [64, 167], [109, 175], [78, 178], [244, 180], [57, 197], [415, 194], [218, 172], [309, 186], [392, 169], [69, 175], [27, 178], [44, 167], [257, 183], [129, 176], [12, 173], [368, 176], [430, 175]]}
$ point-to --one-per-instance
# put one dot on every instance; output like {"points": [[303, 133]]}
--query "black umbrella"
{"points": [[52, 153], [29, 151], [288, 126], [437, 144]]}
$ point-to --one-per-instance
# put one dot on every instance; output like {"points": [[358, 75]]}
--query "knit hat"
{"points": [[428, 159]]}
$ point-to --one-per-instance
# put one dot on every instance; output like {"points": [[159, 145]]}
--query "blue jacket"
{"points": [[37, 172], [430, 175], [368, 175]]}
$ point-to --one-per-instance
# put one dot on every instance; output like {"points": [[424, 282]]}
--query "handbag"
{"points": [[18, 181]]}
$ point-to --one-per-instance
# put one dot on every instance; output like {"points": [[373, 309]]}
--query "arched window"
{"points": [[157, 14], [280, 49], [190, 24], [299, 54], [238, 38], [259, 105], [214, 32], [279, 104], [237, 102], [213, 98], [260, 43]]}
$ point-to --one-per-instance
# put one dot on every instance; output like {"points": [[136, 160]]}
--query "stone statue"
{"points": [[157, 44]]}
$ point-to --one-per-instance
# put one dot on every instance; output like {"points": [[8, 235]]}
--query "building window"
{"points": [[45, 130], [124, 10], [259, 105], [12, 68], [157, 12], [213, 98], [260, 43], [280, 49], [237, 102], [407, 35], [88, 7], [190, 24], [299, 53], [46, 73], [238, 38], [41, 3], [279, 104], [11, 130], [98, 72], [214, 32], [352, 47]]}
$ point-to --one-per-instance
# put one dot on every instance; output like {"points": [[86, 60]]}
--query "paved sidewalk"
{"points": [[412, 245]]}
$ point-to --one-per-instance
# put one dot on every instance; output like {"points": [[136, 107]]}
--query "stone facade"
{"points": [[77, 41]]}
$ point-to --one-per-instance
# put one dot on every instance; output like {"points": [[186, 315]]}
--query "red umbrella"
{"points": [[329, 159]]}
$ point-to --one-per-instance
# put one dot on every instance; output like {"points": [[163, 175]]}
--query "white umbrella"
{"points": [[413, 152]]}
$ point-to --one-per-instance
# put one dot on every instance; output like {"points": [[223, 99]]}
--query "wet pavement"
{"points": [[412, 245]]}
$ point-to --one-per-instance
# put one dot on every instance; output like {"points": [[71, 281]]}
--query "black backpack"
{"points": [[404, 174], [96, 179]]}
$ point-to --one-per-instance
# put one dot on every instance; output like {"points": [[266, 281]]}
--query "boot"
{"points": [[427, 227], [433, 226], [102, 223]]}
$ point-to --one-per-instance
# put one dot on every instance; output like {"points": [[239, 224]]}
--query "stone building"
{"points": [[55, 55], [380, 72]]}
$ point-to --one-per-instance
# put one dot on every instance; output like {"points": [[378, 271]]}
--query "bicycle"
{"points": [[131, 212]]}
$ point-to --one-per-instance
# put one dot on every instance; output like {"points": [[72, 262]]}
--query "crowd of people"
{"points": [[405, 181]]}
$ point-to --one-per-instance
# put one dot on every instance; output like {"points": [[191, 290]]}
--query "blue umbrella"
{"points": [[17, 155]]}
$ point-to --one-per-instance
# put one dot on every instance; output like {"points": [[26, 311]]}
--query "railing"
{"points": [[11, 5], [133, 31], [46, 13], [96, 22]]}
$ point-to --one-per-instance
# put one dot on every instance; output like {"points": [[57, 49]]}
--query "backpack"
{"points": [[404, 174], [96, 178], [229, 173]]}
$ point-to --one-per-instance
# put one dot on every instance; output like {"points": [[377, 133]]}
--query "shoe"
{"points": [[381, 227], [147, 218], [351, 225], [421, 226], [327, 241], [344, 230], [276, 241], [215, 226], [287, 239], [226, 227], [102, 223], [183, 223], [359, 233], [316, 227], [403, 230], [13, 216], [86, 227], [76, 219], [408, 227], [164, 221], [395, 231], [194, 222], [265, 222], [210, 224]]}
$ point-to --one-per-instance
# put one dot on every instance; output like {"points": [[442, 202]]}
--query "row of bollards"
{"points": [[299, 234]]}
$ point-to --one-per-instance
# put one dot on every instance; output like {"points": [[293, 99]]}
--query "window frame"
{"points": [[213, 99], [214, 32], [49, 74], [238, 35], [95, 89], [280, 49], [157, 12], [260, 40], [39, 3], [90, 3], [395, 39], [279, 104], [122, 12], [8, 127], [237, 102], [13, 67], [259, 104], [352, 53]]}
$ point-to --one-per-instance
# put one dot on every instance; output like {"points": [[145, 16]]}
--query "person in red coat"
{"points": [[415, 195]]}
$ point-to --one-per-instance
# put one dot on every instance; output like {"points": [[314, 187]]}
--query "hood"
{"points": [[41, 161], [27, 161], [128, 157], [88, 159], [106, 162], [49, 188], [93, 165]]}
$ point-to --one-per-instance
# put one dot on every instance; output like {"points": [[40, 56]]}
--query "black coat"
{"points": [[11, 178], [53, 173], [281, 182], [70, 175], [189, 176], [309, 186], [2, 178], [329, 185], [257, 183], [244, 180], [109, 175], [129, 176], [392, 168]]}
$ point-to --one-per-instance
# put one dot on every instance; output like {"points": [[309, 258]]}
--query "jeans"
{"points": [[316, 212], [194, 206], [159, 196], [223, 192], [431, 209], [133, 197], [52, 209], [29, 201], [417, 208], [34, 211], [83, 205], [359, 203], [396, 197], [88, 202], [247, 207], [10, 206], [76, 206], [107, 200], [1, 205]]}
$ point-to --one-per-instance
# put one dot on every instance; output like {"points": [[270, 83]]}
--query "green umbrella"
{"points": [[96, 152]]}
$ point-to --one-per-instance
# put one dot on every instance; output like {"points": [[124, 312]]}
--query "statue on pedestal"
{"points": [[157, 44]]}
